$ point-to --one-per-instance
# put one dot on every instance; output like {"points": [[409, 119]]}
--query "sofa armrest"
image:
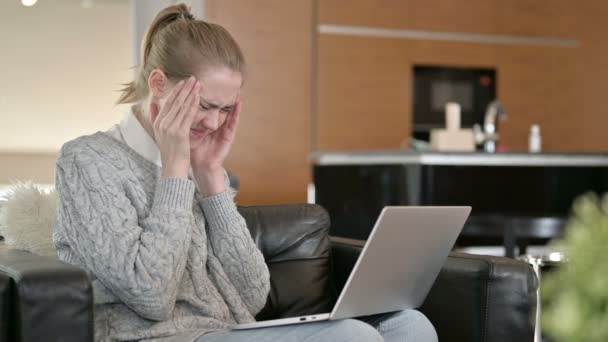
{"points": [[483, 298], [474, 299], [48, 299]]}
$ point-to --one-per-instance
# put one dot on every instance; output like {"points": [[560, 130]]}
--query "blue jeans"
{"points": [[402, 326]]}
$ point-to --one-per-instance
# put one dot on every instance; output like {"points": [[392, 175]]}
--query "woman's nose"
{"points": [[211, 121]]}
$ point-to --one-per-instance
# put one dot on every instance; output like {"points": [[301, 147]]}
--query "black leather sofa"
{"points": [[475, 298]]}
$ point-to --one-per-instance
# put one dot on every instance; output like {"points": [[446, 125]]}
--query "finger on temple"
{"points": [[233, 119], [190, 110], [174, 112], [173, 94], [182, 95]]}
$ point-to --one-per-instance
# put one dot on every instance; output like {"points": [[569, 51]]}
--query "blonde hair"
{"points": [[178, 44]]}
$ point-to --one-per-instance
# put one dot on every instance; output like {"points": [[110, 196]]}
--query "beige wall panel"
{"points": [[441, 15], [451, 53], [474, 16], [270, 155], [25, 167], [592, 76], [552, 18], [374, 13], [364, 93], [538, 86]]}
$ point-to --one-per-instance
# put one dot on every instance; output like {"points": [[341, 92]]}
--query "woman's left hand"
{"points": [[208, 158]]}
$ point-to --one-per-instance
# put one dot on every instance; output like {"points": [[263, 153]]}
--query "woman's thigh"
{"points": [[338, 331]]}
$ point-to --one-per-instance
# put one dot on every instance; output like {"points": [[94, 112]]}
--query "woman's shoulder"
{"points": [[93, 149]]}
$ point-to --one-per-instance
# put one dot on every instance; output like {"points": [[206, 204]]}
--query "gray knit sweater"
{"points": [[166, 264]]}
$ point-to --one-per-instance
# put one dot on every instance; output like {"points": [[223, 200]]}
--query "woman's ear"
{"points": [[157, 82]]}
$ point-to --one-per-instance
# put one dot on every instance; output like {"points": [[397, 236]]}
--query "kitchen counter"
{"points": [[449, 158], [504, 189]]}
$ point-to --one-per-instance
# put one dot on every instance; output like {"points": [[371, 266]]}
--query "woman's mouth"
{"points": [[198, 133]]}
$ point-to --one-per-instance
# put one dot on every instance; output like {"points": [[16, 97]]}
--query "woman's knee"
{"points": [[354, 330], [411, 323], [425, 328]]}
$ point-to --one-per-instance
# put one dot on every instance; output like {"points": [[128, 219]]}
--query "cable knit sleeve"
{"points": [[140, 260], [232, 243]]}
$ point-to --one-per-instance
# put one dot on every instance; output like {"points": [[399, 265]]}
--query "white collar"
{"points": [[137, 138]]}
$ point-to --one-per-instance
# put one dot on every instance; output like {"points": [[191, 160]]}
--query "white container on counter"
{"points": [[535, 140], [452, 138]]}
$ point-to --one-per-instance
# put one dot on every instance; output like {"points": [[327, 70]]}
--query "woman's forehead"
{"points": [[220, 86]]}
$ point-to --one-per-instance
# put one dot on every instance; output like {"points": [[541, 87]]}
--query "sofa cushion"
{"points": [[27, 217]]}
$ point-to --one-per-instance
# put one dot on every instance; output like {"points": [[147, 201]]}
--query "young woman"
{"points": [[146, 209]]}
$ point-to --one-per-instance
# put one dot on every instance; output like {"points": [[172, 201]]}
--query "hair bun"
{"points": [[185, 11], [188, 15]]}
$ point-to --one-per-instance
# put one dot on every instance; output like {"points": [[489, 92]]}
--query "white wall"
{"points": [[60, 67], [145, 10]]}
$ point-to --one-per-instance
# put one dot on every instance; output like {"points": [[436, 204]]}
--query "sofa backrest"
{"points": [[295, 242]]}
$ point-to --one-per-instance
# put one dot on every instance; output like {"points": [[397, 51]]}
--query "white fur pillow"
{"points": [[27, 218]]}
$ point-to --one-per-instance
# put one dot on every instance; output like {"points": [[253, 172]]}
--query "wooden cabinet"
{"points": [[270, 155], [540, 82], [363, 94]]}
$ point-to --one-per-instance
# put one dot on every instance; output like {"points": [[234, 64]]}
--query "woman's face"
{"points": [[220, 89]]}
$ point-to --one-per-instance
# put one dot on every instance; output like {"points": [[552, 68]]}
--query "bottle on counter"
{"points": [[534, 140]]}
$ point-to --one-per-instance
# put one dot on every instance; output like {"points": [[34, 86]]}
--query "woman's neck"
{"points": [[144, 119]]}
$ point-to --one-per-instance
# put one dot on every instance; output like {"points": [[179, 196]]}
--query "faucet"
{"points": [[489, 136]]}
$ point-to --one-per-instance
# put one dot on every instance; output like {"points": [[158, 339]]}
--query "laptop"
{"points": [[397, 266]]}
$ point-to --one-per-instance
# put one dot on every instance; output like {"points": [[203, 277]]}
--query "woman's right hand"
{"points": [[172, 128]]}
